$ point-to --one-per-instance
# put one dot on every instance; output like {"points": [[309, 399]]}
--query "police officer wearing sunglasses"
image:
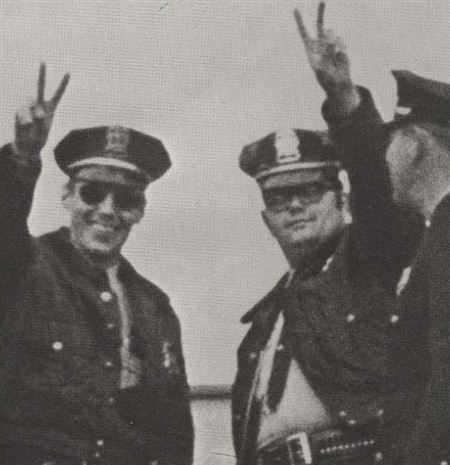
{"points": [[316, 382], [91, 365]]}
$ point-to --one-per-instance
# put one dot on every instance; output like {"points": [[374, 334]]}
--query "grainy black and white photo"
{"points": [[224, 232]]}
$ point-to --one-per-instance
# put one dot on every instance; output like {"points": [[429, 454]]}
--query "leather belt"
{"points": [[328, 447]]}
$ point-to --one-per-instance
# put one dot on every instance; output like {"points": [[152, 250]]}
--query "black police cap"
{"points": [[421, 99], [288, 157], [113, 146]]}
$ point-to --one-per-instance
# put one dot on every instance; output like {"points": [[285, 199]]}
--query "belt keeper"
{"points": [[307, 454], [306, 448]]}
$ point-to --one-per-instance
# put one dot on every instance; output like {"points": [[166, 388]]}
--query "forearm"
{"points": [[18, 178], [387, 235]]}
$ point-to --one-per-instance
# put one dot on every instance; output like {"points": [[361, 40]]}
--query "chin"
{"points": [[100, 249]]}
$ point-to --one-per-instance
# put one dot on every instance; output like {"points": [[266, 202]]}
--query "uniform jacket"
{"points": [[60, 342], [423, 437], [426, 440], [341, 322]]}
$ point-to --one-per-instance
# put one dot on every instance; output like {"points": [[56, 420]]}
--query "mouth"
{"points": [[299, 223], [103, 228]]}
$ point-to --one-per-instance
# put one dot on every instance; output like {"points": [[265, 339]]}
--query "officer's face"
{"points": [[307, 214], [104, 202]]}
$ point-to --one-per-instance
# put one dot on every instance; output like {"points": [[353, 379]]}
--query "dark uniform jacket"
{"points": [[60, 348], [426, 300], [423, 435], [341, 319]]}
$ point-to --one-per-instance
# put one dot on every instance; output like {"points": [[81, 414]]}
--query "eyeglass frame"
{"points": [[287, 194], [118, 191]]}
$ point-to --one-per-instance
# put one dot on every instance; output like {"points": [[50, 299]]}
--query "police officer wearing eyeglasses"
{"points": [[91, 365], [315, 383]]}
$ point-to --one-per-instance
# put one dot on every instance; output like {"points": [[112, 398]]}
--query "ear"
{"points": [[136, 215], [266, 219], [67, 197]]}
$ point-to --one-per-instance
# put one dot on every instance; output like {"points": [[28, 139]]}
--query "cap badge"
{"points": [[286, 146], [117, 139]]}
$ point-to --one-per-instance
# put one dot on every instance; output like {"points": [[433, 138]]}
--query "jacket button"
{"points": [[111, 401], [97, 455], [109, 364], [100, 442], [378, 457], [252, 355], [280, 347], [57, 346], [444, 462], [394, 319], [110, 326], [106, 296], [351, 317], [342, 414]]}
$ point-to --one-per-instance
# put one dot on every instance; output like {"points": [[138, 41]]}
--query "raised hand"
{"points": [[326, 54], [34, 121]]}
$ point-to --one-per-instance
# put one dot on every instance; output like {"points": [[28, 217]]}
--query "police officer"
{"points": [[315, 381], [412, 154], [91, 366]]}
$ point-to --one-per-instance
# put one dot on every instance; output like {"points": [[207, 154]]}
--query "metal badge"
{"points": [[286, 146], [117, 139], [170, 359]]}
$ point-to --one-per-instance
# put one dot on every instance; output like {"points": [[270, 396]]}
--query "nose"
{"points": [[106, 206], [296, 203]]}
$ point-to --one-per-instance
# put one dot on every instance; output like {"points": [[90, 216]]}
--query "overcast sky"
{"points": [[206, 77]]}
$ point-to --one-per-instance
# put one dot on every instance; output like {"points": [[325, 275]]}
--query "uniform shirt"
{"points": [[299, 409], [130, 363]]}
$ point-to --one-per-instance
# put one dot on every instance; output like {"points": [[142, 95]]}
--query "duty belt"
{"points": [[328, 447]]}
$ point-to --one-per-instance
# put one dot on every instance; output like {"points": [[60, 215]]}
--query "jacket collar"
{"points": [[76, 261], [262, 304]]}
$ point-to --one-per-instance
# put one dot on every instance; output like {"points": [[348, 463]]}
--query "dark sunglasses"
{"points": [[279, 200], [93, 193]]}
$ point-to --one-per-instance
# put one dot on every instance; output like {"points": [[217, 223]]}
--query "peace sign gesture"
{"points": [[33, 121], [326, 54]]}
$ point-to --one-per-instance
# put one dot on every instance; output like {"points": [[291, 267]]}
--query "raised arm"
{"points": [[20, 166], [387, 236]]}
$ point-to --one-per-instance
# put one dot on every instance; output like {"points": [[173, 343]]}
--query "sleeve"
{"points": [[177, 425], [386, 235], [18, 180]]}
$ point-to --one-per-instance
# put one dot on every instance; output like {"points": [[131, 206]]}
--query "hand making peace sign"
{"points": [[326, 54], [33, 122], [330, 63]]}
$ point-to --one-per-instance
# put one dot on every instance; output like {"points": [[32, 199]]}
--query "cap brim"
{"points": [[293, 178]]}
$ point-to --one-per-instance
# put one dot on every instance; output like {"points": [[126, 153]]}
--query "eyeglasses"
{"points": [[125, 198], [280, 199]]}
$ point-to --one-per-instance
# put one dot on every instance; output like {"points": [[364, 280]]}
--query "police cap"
{"points": [[113, 146], [291, 157], [421, 99]]}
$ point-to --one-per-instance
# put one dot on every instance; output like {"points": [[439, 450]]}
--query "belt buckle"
{"points": [[302, 440]]}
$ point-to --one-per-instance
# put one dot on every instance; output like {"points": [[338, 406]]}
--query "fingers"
{"points": [[41, 84], [25, 113], [301, 27], [41, 88], [320, 19], [61, 89]]}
